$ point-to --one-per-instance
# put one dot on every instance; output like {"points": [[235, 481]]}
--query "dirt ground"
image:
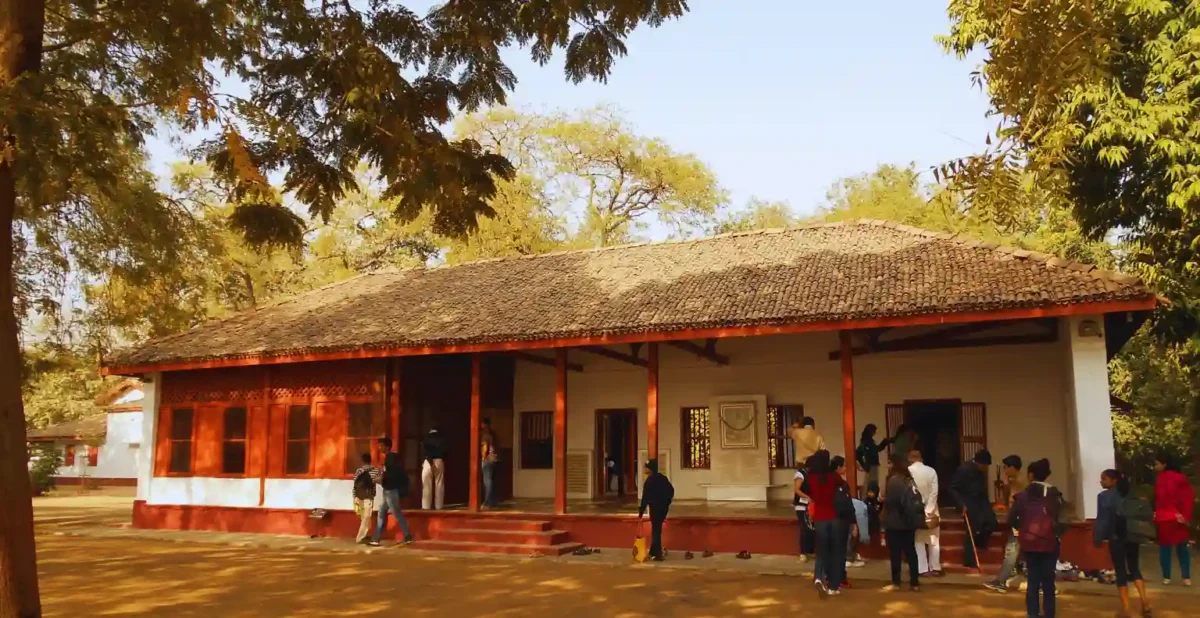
{"points": [[85, 572]]}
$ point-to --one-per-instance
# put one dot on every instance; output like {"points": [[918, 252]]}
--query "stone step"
{"points": [[503, 537], [496, 548], [495, 523]]}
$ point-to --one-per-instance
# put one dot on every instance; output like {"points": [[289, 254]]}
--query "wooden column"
{"points": [[560, 431], [265, 445], [473, 500], [394, 407], [651, 402], [848, 425]]}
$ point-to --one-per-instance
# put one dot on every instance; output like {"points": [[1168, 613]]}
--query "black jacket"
{"points": [[394, 476], [969, 488], [657, 494], [897, 497], [435, 446]]}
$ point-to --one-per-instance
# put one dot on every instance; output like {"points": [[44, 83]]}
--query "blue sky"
{"points": [[781, 97]]}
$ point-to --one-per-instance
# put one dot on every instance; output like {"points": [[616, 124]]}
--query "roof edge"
{"points": [[666, 334]]}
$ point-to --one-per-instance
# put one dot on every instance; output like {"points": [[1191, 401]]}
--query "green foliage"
{"points": [[1097, 103], [757, 215], [60, 386], [1155, 378], [592, 169], [45, 460]]}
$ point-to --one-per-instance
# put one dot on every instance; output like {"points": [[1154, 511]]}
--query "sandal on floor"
{"points": [[743, 555], [687, 555], [707, 553]]}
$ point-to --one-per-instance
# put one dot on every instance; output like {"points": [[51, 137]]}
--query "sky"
{"points": [[781, 98]]}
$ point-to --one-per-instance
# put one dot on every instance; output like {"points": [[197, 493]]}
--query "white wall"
{"points": [[152, 393], [118, 458], [201, 491], [1022, 387]]}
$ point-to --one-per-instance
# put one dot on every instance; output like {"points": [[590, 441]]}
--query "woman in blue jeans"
{"points": [[1035, 515], [823, 482]]}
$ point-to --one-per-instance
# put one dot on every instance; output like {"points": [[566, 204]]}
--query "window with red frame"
{"points": [[233, 442], [181, 441], [93, 455], [298, 458]]}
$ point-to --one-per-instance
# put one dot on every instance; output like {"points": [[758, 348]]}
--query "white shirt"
{"points": [[926, 479], [801, 503]]}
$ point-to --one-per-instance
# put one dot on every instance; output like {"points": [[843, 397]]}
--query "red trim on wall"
{"points": [[693, 333], [758, 535], [651, 402], [95, 481], [560, 431], [474, 450]]}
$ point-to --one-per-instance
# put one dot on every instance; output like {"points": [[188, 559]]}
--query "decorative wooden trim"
{"points": [[848, 424], [675, 335], [708, 351], [547, 362], [560, 431], [614, 355], [476, 382], [652, 401], [948, 338]]}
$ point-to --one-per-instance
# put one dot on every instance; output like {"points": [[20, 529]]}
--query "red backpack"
{"points": [[1039, 523]]}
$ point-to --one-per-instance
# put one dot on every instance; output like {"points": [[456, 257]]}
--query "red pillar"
{"points": [[651, 402], [848, 426], [473, 500], [560, 431], [394, 408]]}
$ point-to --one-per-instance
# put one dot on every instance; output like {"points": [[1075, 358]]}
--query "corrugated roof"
{"points": [[842, 271]]}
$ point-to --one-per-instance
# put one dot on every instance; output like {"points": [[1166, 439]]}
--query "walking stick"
{"points": [[971, 536]]}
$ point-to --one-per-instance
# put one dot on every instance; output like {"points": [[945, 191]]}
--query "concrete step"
{"points": [[503, 537], [496, 548], [495, 523]]}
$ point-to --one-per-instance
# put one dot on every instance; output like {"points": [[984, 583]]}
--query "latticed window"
{"points": [[694, 433], [537, 440], [780, 450]]}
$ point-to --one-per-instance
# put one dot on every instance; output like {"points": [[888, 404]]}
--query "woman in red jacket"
{"points": [[832, 532], [1174, 501]]}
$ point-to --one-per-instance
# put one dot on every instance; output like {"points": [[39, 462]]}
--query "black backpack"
{"points": [[364, 486], [1139, 519], [843, 504], [914, 508]]}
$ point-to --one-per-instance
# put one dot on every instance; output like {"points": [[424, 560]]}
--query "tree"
{"points": [[757, 215], [591, 168], [1097, 102], [326, 86]]}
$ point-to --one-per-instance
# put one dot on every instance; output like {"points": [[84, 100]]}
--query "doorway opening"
{"points": [[938, 430], [616, 454]]}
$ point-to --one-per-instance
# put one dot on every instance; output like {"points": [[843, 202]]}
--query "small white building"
{"points": [[102, 449]]}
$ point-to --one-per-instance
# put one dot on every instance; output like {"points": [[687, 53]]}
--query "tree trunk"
{"points": [[21, 23]]}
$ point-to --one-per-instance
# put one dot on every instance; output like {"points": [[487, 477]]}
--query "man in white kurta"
{"points": [[929, 551]]}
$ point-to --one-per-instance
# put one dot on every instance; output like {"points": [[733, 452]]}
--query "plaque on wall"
{"points": [[738, 425]]}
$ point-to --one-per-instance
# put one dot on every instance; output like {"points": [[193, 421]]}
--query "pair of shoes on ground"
{"points": [[896, 588], [408, 540], [1186, 582], [585, 551], [743, 555], [855, 564]]}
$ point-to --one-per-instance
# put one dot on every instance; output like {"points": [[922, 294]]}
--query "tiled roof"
{"points": [[95, 426], [842, 271]]}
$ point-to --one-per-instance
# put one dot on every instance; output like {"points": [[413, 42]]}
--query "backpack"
{"points": [[364, 487], [1039, 525], [1139, 520], [843, 505], [914, 508]]}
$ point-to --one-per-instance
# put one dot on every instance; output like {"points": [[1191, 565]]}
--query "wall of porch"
{"points": [[1023, 386]]}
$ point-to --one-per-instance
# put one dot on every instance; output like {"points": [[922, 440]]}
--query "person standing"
{"points": [[903, 442], [867, 454], [365, 478], [800, 502], [1124, 547], [433, 471], [657, 494], [1174, 502], [1012, 476], [858, 526], [903, 514], [970, 490], [395, 487], [806, 440], [487, 450], [831, 531], [1037, 516], [928, 539]]}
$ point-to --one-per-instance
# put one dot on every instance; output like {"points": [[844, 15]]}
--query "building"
{"points": [[101, 449], [700, 351]]}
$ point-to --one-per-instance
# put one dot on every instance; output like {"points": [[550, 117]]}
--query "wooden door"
{"points": [[973, 429], [895, 414]]}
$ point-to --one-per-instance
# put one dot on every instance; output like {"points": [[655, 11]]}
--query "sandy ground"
{"points": [[85, 572]]}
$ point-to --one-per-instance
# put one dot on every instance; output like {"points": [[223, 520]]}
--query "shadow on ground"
{"points": [[135, 577]]}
